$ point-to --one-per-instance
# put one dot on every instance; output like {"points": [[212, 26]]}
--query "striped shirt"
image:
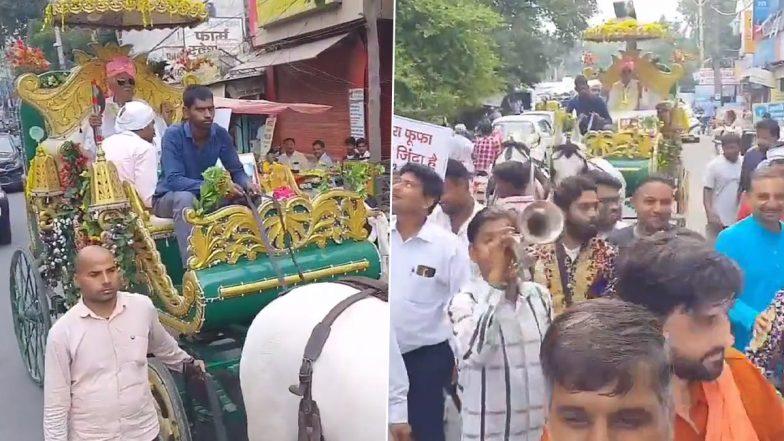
{"points": [[504, 395]]}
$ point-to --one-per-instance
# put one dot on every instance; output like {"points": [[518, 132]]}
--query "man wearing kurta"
{"points": [[579, 265], [756, 244], [121, 85], [625, 93], [498, 321], [719, 394]]}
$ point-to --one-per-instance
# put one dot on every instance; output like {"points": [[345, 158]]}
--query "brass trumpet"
{"points": [[540, 222]]}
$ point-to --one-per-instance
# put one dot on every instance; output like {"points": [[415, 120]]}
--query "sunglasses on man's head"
{"points": [[130, 81]]}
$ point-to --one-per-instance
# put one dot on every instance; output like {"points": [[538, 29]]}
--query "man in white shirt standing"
{"points": [[429, 267], [295, 160], [457, 206], [398, 393], [721, 182], [131, 149], [625, 93], [462, 148]]}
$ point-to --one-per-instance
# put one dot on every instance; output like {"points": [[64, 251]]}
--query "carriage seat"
{"points": [[157, 226]]}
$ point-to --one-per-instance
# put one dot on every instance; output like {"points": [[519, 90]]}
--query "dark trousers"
{"points": [[429, 374]]}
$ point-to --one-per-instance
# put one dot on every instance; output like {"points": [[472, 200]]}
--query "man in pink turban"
{"points": [[625, 93], [121, 85]]}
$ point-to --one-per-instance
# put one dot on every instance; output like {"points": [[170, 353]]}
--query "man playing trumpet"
{"points": [[498, 320], [579, 265]]}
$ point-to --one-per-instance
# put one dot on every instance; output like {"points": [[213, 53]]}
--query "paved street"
{"points": [[21, 401]]}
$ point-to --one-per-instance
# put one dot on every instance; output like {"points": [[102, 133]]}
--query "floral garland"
{"points": [[73, 229], [26, 59]]}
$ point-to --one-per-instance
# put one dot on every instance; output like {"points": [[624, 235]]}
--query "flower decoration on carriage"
{"points": [[25, 58], [624, 30], [283, 193], [214, 189], [589, 58]]}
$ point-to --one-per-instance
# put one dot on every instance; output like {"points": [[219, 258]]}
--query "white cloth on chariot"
{"points": [[108, 128], [498, 345], [398, 383]]}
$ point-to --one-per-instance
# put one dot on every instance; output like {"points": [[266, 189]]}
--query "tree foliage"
{"points": [[451, 55], [720, 40], [16, 14], [72, 39], [445, 56]]}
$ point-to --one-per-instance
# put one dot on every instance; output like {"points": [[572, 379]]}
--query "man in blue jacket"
{"points": [[190, 148], [756, 244]]}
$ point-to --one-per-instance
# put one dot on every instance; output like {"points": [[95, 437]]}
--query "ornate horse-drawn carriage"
{"points": [[646, 139], [240, 261]]}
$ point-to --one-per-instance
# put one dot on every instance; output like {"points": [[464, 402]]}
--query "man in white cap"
{"points": [[461, 148], [131, 148]]}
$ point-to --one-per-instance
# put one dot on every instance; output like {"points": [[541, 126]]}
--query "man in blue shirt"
{"points": [[587, 104], [190, 148], [756, 244]]}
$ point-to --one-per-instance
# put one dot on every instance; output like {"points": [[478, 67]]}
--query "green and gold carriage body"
{"points": [[232, 273]]}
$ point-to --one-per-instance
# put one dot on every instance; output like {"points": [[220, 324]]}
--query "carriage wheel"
{"points": [[30, 312], [171, 412]]}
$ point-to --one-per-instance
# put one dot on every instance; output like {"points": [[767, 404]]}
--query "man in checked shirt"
{"points": [[487, 147], [96, 386]]}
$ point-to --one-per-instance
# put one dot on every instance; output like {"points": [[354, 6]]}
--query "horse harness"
{"points": [[309, 419]]}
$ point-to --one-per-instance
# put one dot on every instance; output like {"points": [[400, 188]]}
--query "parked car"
{"points": [[5, 219], [531, 128], [11, 164]]}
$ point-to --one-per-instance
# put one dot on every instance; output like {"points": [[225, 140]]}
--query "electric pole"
{"points": [[58, 43]]}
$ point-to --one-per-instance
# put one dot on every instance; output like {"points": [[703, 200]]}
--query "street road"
{"points": [[21, 401]]}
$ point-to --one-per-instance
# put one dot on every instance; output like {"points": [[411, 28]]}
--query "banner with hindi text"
{"points": [[420, 142]]}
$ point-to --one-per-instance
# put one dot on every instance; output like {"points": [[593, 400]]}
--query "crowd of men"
{"points": [[611, 332]]}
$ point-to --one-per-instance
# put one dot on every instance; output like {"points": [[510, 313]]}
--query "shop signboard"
{"points": [[421, 143], [776, 111], [356, 111]]}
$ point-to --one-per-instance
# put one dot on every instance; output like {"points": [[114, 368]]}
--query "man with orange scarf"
{"points": [[121, 85], [719, 394]]}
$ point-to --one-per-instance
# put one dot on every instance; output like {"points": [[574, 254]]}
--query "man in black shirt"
{"points": [[588, 105]]}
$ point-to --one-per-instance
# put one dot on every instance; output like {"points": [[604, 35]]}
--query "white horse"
{"points": [[570, 160], [380, 235], [350, 378]]}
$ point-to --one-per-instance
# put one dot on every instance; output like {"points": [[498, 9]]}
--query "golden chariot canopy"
{"points": [[125, 14]]}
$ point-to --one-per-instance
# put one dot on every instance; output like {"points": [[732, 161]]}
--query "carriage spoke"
{"points": [[30, 311]]}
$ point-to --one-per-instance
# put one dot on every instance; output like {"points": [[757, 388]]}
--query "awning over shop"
{"points": [[756, 75], [301, 52], [262, 107]]}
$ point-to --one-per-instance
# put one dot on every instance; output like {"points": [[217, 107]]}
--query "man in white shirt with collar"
{"points": [[295, 160], [429, 266], [131, 149], [457, 206], [322, 159], [398, 393]]}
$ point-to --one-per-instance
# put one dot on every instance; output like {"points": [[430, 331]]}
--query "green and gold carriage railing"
{"points": [[228, 278]]}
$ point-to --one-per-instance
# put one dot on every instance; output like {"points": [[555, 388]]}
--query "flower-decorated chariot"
{"points": [[240, 261]]}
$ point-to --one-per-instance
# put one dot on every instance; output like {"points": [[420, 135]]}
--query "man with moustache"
{"points": [[96, 385], [429, 267], [719, 394], [653, 201], [608, 374], [579, 265], [756, 244], [457, 206], [608, 189], [768, 134]]}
